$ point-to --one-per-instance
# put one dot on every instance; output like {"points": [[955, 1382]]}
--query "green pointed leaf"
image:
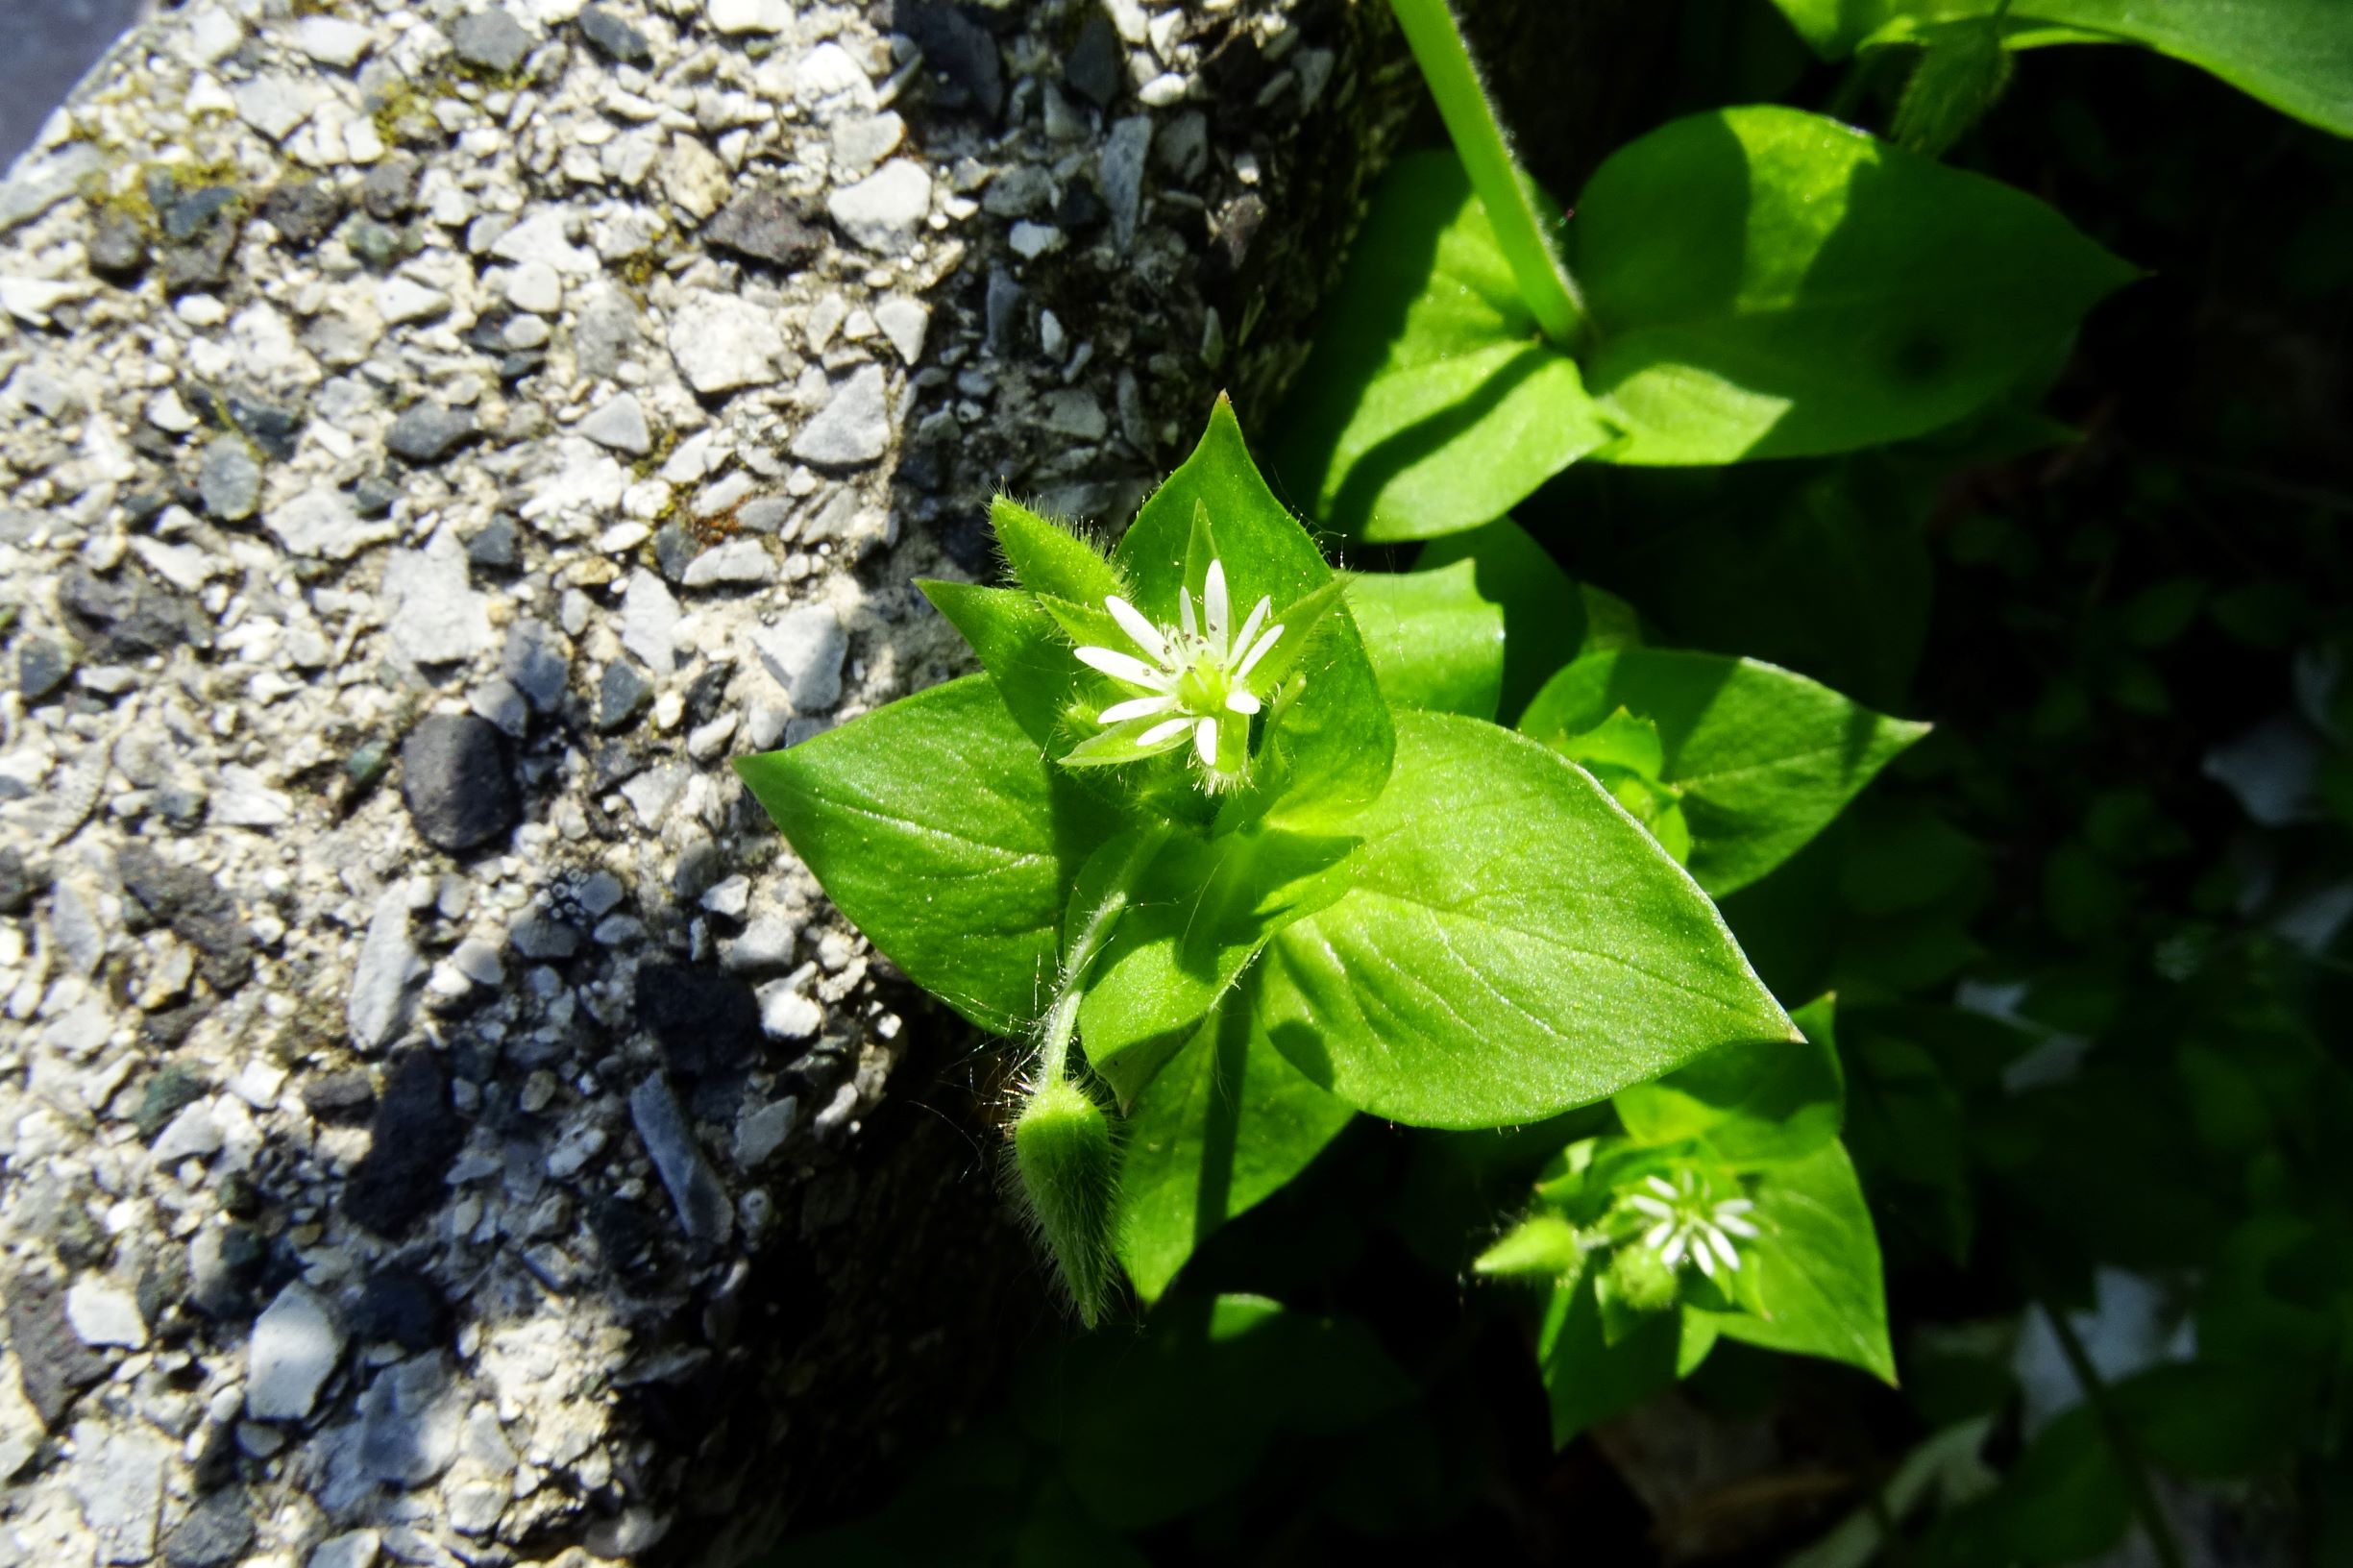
{"points": [[1549, 617], [935, 825], [1812, 1275], [1755, 1103], [1201, 912], [1761, 759], [1586, 1378], [1765, 283], [1434, 404], [1023, 650], [1050, 557], [1513, 946], [1542, 1246], [2295, 54], [1225, 1124], [1435, 641]]}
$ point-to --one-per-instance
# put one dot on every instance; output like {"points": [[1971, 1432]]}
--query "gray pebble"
{"points": [[694, 1191], [41, 668], [766, 224], [453, 781], [622, 694], [428, 432], [535, 661], [803, 650], [603, 27], [491, 39], [295, 1345], [853, 427], [621, 425]]}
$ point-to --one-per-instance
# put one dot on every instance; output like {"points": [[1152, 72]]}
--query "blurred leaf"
{"points": [[1435, 640]]}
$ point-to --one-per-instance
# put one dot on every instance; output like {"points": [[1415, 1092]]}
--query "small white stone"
{"points": [[884, 210], [803, 652], [853, 427], [738, 561], [751, 15], [1031, 241], [1162, 90], [400, 300], [904, 322], [213, 36], [295, 1345], [193, 1134], [478, 962], [786, 1014], [649, 621], [535, 286], [621, 425], [388, 966], [722, 342], [331, 40], [103, 1313], [274, 105], [245, 800]]}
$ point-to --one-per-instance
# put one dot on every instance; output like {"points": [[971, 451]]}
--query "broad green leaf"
{"points": [[1586, 1378], [935, 825], [1513, 946], [2295, 54], [1223, 1125], [1755, 1103], [1766, 283], [1202, 911], [1812, 1276], [1761, 759], [1549, 617], [1049, 557], [1435, 640], [1431, 402]]}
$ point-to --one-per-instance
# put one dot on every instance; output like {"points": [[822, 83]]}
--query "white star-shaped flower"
{"points": [[1688, 1224], [1195, 677]]}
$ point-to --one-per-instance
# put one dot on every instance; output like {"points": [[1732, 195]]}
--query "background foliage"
{"points": [[2085, 939]]}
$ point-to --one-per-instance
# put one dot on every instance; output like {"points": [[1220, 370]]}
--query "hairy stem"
{"points": [[1062, 1019], [1504, 190], [2121, 1440]]}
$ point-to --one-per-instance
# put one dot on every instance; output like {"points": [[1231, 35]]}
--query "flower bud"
{"points": [[1069, 1161]]}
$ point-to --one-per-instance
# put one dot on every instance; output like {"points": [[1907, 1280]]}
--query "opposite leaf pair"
{"points": [[1414, 913]]}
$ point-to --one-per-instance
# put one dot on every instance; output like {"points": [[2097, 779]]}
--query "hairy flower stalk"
{"points": [[1690, 1225], [1196, 684]]}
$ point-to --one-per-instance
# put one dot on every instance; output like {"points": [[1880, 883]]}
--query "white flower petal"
{"points": [[1185, 612], [1258, 650], [1646, 1203], [1242, 703], [1659, 1185], [1736, 1225], [1131, 621], [1169, 730], [1658, 1233], [1699, 1255], [1141, 707], [1724, 1249], [1734, 1205], [1672, 1254], [1213, 608], [1250, 627], [1204, 742], [1123, 667]]}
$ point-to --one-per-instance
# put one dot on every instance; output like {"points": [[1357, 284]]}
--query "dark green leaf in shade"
{"points": [[936, 826], [1224, 1124], [1201, 912], [1513, 946], [1760, 759], [1549, 617]]}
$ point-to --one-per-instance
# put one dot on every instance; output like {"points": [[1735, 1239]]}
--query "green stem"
{"points": [[1062, 1019], [1504, 190], [2121, 1440]]}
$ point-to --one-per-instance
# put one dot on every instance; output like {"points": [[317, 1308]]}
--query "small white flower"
{"points": [[1197, 675], [1688, 1225]]}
